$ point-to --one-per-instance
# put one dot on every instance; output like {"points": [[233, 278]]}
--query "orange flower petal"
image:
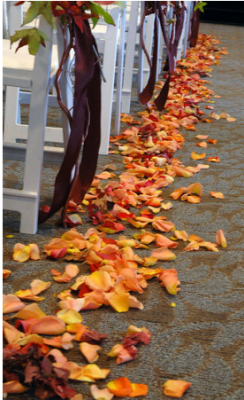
{"points": [[193, 199], [105, 175], [32, 338], [202, 144], [195, 188], [138, 389], [94, 372], [217, 195], [115, 350], [202, 137], [220, 238], [213, 159], [72, 270], [197, 156], [120, 387], [28, 295], [48, 325], [69, 316], [99, 394], [75, 304], [163, 254], [149, 261], [145, 237], [99, 280], [30, 311], [163, 226], [163, 241], [166, 206], [6, 273], [175, 388], [169, 280], [182, 171], [181, 235], [13, 387], [209, 246], [21, 254], [89, 351], [77, 396], [38, 286], [12, 303], [175, 195], [212, 141], [11, 334], [34, 252], [64, 341], [119, 301]]}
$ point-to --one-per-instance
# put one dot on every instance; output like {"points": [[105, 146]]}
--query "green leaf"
{"points": [[32, 37], [32, 12], [200, 5], [46, 11], [42, 35], [94, 21], [19, 35], [98, 10], [40, 8], [33, 46]]}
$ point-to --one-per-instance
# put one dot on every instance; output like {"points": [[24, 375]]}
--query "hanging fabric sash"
{"points": [[147, 93], [195, 20], [85, 126], [171, 45]]}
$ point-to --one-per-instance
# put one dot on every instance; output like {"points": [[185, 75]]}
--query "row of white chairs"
{"points": [[23, 74]]}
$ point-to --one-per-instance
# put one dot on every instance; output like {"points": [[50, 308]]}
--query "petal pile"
{"points": [[117, 270]]}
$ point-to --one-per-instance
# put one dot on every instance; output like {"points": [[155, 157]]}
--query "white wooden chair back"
{"points": [[26, 200]]}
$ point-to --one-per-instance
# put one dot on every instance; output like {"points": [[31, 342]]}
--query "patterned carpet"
{"points": [[200, 340]]}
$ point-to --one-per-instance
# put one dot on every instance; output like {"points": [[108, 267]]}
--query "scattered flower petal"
{"points": [[175, 388]]}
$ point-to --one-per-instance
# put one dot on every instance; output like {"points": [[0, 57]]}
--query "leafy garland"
{"points": [[64, 10]]}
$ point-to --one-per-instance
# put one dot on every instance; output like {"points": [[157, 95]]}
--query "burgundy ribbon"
{"points": [[85, 126], [147, 93], [194, 26], [171, 54]]}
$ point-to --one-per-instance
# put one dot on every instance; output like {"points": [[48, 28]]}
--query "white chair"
{"points": [[26, 200], [18, 72], [183, 42], [15, 96], [189, 9], [109, 38], [110, 42], [134, 51]]}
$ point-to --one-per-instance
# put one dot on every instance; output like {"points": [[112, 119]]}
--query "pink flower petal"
{"points": [[12, 303], [89, 351], [104, 394]]}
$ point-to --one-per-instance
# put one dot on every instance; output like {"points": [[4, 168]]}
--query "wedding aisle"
{"points": [[197, 334]]}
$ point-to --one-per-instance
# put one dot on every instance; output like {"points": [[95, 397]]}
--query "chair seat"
{"points": [[18, 67]]}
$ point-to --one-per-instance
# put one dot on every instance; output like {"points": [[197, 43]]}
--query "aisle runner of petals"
{"points": [[148, 148]]}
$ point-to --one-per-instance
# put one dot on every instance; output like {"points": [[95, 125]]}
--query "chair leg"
{"points": [[129, 58], [12, 114], [110, 54], [120, 73], [36, 131], [149, 29]]}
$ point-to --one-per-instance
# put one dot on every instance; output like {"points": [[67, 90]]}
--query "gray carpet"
{"points": [[201, 340]]}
